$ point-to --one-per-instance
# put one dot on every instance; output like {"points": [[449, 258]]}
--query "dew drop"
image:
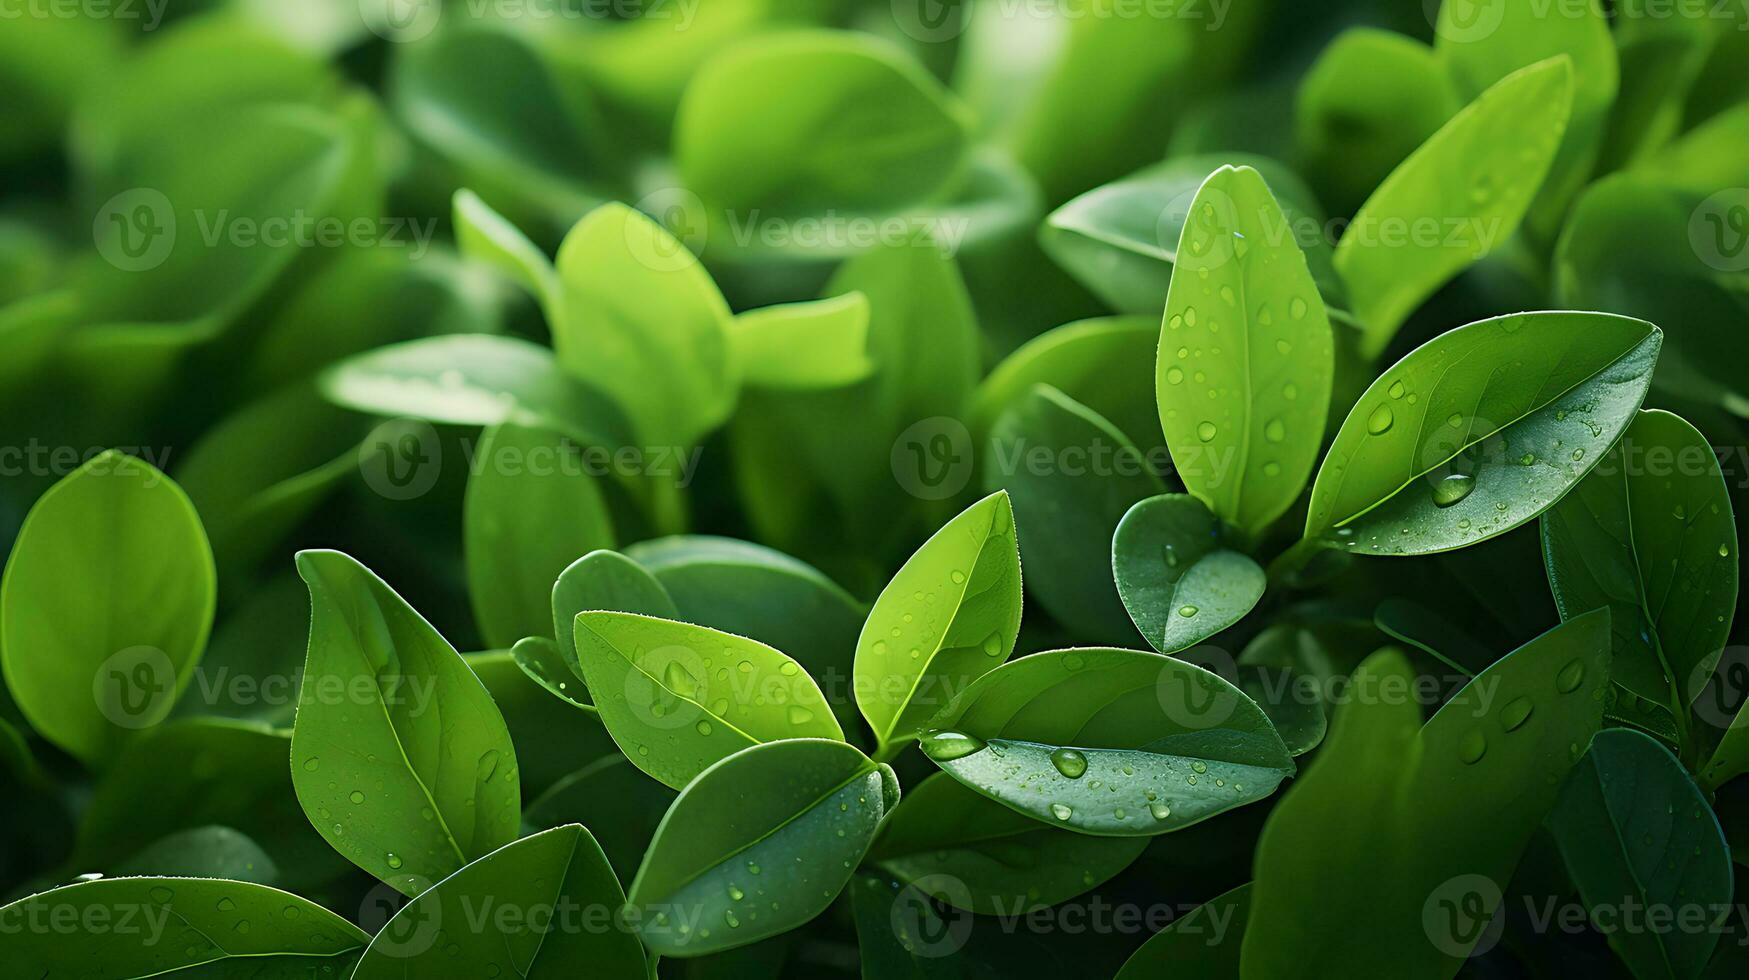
{"points": [[1527, 459], [1275, 431], [1061, 812], [1188, 611], [1724, 551], [311, 764], [1455, 487], [958, 577], [703, 727], [1473, 746], [1380, 421], [1456, 421], [1515, 713], [1159, 811], [943, 746], [1570, 677], [799, 715], [1297, 308], [1069, 762], [356, 797], [1206, 431], [1396, 390], [1199, 767], [393, 859], [1290, 391], [1174, 376]]}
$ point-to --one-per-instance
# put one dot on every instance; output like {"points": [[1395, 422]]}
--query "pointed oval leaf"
{"points": [[1114, 743], [487, 236], [1180, 585], [1633, 827], [640, 318], [198, 925], [677, 697], [1466, 189], [1346, 882], [399, 756], [106, 605], [1252, 308], [1480, 430], [540, 659], [753, 591], [957, 604], [1650, 535], [543, 907], [760, 843]]}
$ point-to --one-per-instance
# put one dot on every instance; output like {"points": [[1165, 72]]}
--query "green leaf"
{"points": [[1632, 827], [533, 506], [198, 925], [1202, 944], [1178, 581], [1346, 882], [106, 604], [1457, 198], [1246, 451], [1640, 247], [485, 101], [1072, 503], [974, 853], [399, 757], [553, 904], [752, 591], [956, 603], [613, 796], [759, 844], [804, 346], [193, 773], [541, 659], [1121, 240], [1480, 430], [1480, 51], [640, 318], [476, 379], [486, 236], [1114, 743], [607, 581], [677, 698], [1650, 535], [801, 122], [1353, 130]]}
